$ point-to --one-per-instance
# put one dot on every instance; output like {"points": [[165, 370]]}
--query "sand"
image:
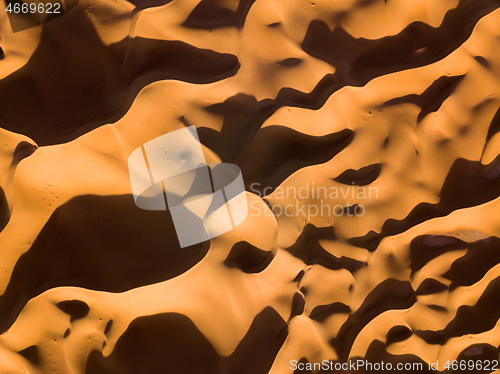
{"points": [[367, 134]]}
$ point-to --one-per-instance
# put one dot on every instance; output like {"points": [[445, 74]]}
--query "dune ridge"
{"points": [[367, 133]]}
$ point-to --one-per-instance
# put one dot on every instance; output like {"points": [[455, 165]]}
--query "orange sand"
{"points": [[398, 99]]}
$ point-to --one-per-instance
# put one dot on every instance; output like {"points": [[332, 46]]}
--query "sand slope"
{"points": [[389, 108]]}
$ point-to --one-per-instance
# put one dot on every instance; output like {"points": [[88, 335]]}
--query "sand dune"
{"points": [[367, 135]]}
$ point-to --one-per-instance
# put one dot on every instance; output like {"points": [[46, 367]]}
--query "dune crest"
{"points": [[367, 135]]}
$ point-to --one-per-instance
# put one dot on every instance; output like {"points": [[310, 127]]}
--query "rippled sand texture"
{"points": [[400, 96]]}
